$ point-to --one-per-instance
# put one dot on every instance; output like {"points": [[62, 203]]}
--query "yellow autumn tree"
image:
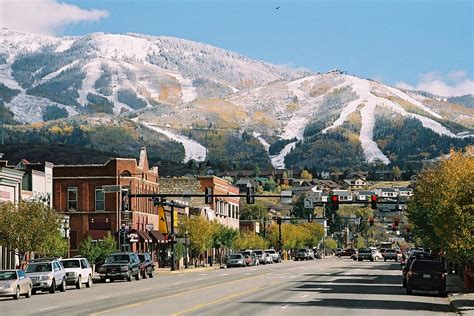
{"points": [[442, 207]]}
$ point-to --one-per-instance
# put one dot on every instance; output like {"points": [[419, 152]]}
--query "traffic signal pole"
{"points": [[173, 268]]}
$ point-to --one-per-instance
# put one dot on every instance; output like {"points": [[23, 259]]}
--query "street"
{"points": [[328, 287]]}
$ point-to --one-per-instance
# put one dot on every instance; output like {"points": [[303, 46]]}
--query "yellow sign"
{"points": [[162, 224], [175, 219]]}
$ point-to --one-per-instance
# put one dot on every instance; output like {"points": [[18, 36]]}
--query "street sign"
{"points": [[308, 203], [149, 227], [111, 188], [286, 197]]}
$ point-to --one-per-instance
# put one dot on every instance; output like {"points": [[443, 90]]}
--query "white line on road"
{"points": [[143, 290], [284, 306], [294, 268], [224, 274], [102, 297], [306, 295], [47, 308]]}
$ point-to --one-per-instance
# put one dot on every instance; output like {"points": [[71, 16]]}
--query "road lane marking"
{"points": [[223, 274], [284, 306], [102, 297], [174, 295], [143, 290], [47, 308], [199, 306], [306, 295]]}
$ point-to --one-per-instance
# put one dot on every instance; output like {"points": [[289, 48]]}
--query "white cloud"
{"points": [[43, 16], [455, 83]]}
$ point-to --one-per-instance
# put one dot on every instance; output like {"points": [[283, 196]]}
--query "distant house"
{"points": [[243, 183], [404, 192], [355, 184], [343, 195], [363, 195], [388, 193]]}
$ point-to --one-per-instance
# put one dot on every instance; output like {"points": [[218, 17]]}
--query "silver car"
{"points": [[15, 283], [46, 275]]}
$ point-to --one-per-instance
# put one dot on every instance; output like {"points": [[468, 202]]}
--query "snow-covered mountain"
{"points": [[178, 86]]}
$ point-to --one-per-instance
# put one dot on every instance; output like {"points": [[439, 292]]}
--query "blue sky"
{"points": [[411, 43]]}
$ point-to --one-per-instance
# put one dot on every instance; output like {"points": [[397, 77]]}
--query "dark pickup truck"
{"points": [[119, 266]]}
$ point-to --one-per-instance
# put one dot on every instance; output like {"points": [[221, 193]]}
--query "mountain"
{"points": [[220, 106]]}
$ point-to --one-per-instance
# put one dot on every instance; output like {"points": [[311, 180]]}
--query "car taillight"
{"points": [[443, 276]]}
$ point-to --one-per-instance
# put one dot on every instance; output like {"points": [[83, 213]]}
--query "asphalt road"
{"points": [[327, 287]]}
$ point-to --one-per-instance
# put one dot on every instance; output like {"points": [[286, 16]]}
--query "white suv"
{"points": [[78, 272], [46, 275]]}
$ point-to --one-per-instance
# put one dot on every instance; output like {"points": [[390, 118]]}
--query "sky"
{"points": [[415, 44]]}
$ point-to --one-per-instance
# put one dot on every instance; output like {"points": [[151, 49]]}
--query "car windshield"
{"points": [[7, 275], [38, 267], [245, 253], [258, 252], [365, 250], [235, 256], [270, 251], [419, 265], [141, 257], [71, 264], [117, 258]]}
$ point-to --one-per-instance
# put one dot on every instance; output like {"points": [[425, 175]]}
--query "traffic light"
{"points": [[371, 221], [250, 195], [334, 202], [373, 202], [208, 198]]}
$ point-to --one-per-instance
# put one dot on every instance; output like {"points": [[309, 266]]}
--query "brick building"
{"points": [[78, 193], [227, 209]]}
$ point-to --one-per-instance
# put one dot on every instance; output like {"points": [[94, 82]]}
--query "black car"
{"points": [[119, 266], [147, 266], [426, 275]]}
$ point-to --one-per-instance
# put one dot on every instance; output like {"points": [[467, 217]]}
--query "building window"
{"points": [[72, 199], [99, 199]]}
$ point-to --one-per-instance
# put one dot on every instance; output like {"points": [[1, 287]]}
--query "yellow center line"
{"points": [[199, 306], [174, 295]]}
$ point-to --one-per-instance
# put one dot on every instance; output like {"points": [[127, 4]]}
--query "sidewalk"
{"points": [[190, 269], [460, 300]]}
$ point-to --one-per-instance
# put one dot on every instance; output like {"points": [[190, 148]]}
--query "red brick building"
{"points": [[78, 193], [227, 209]]}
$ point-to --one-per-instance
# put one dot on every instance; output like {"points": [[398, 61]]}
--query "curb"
{"points": [[459, 308], [188, 270]]}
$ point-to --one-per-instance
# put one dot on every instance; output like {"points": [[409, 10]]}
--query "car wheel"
{"points": [[52, 289], [129, 277], [103, 280], [150, 274], [144, 275], [359, 259], [138, 275], [63, 286], [28, 293], [33, 292], [89, 282], [17, 293], [384, 259], [79, 283]]}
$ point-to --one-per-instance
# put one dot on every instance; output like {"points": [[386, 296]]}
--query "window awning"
{"points": [[97, 234], [143, 236], [157, 236]]}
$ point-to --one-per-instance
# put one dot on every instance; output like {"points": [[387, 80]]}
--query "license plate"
{"points": [[426, 276]]}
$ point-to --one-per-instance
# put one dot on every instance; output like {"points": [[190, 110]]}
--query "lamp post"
{"points": [[66, 228], [186, 263]]}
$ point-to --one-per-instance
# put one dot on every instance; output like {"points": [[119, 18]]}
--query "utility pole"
{"points": [[172, 238], [279, 235]]}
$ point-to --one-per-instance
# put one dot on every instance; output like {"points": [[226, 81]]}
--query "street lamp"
{"points": [[66, 227]]}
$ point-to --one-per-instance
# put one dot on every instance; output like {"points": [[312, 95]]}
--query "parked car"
{"points": [[338, 251], [46, 275], [392, 254], [274, 254], [248, 258], [78, 272], [426, 275], [15, 283], [376, 255], [119, 266], [147, 266], [347, 253], [304, 254], [407, 264], [236, 260], [261, 256]]}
